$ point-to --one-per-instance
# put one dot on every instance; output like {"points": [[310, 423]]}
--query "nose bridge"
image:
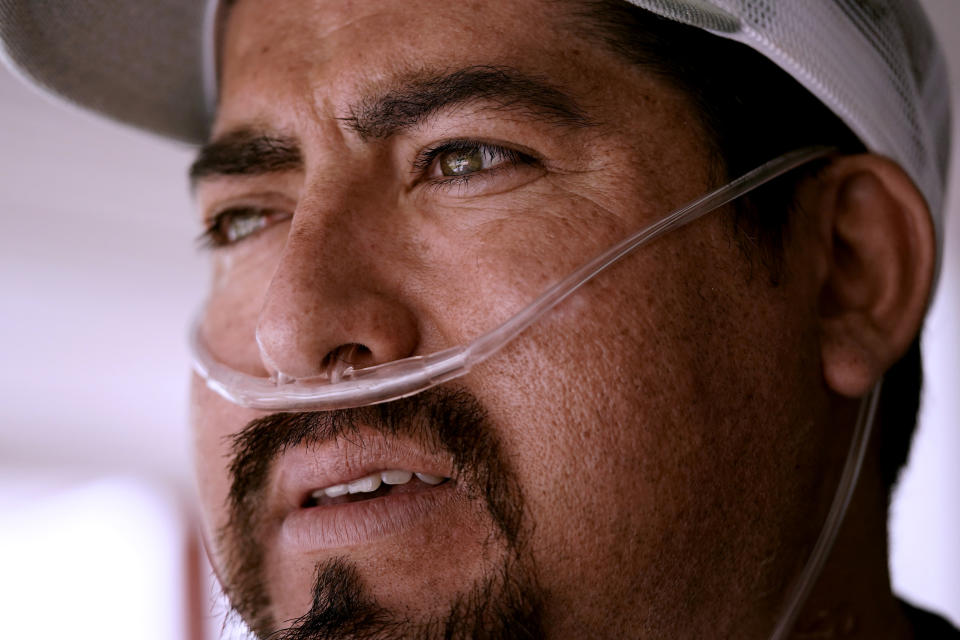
{"points": [[328, 298]]}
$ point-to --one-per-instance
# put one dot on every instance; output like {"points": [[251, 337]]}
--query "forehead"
{"points": [[331, 51], [409, 29]]}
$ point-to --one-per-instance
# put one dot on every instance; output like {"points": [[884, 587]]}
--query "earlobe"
{"points": [[879, 249]]}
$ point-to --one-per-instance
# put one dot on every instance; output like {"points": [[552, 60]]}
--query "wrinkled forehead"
{"points": [[407, 27], [329, 52]]}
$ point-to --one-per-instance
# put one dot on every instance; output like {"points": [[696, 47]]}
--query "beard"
{"points": [[503, 603], [501, 606]]}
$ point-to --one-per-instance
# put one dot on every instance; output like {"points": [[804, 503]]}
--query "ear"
{"points": [[878, 253]]}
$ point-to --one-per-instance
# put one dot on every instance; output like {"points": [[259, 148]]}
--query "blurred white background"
{"points": [[99, 277]]}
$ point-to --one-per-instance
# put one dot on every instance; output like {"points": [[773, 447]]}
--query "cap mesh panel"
{"points": [[874, 63]]}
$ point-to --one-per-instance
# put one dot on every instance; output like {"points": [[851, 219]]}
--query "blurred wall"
{"points": [[99, 274]]}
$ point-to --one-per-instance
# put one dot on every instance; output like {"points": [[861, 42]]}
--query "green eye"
{"points": [[461, 162], [463, 158], [241, 223], [233, 225]]}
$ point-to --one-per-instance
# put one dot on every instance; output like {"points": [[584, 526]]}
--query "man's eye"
{"points": [[233, 225], [460, 159], [466, 161]]}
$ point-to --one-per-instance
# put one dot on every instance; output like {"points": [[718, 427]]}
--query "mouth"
{"points": [[381, 484], [346, 494]]}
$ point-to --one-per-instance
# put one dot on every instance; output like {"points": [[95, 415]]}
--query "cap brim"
{"points": [[104, 55]]}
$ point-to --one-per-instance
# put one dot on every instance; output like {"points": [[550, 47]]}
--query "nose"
{"points": [[332, 301]]}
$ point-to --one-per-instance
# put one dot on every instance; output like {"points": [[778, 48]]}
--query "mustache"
{"points": [[448, 420], [445, 419]]}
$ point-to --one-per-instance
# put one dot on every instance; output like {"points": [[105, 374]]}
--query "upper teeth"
{"points": [[370, 483]]}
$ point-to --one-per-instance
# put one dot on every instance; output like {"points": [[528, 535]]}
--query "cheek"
{"points": [[240, 279], [482, 273], [632, 412], [214, 421]]}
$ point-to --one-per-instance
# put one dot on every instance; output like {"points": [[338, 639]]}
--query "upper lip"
{"points": [[301, 470]]}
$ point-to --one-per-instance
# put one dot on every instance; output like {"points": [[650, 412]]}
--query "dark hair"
{"points": [[752, 112]]}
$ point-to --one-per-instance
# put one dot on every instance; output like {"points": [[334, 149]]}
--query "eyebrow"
{"points": [[507, 89], [248, 151]]}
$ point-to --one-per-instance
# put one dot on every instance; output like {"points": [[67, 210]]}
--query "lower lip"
{"points": [[356, 523]]}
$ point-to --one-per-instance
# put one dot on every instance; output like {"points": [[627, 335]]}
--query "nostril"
{"points": [[344, 357]]}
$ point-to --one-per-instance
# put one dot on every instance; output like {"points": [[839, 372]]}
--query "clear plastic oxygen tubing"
{"points": [[344, 387], [800, 590]]}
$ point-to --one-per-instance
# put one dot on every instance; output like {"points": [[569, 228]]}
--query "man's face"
{"points": [[414, 172]]}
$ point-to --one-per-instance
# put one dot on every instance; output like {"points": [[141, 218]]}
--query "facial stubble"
{"points": [[503, 603]]}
